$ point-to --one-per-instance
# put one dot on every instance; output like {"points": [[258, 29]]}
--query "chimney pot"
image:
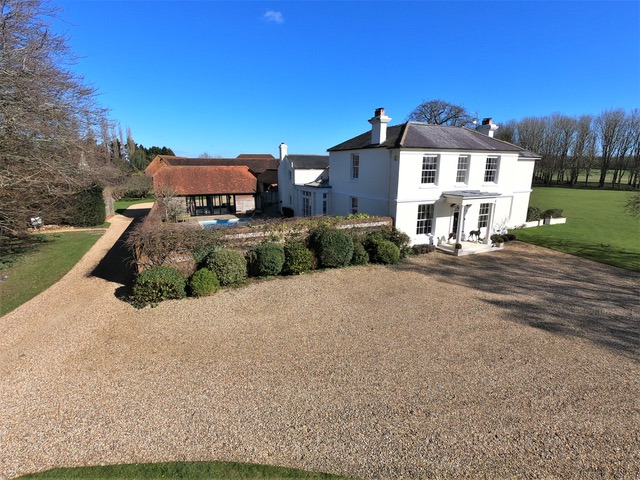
{"points": [[487, 121], [379, 112]]}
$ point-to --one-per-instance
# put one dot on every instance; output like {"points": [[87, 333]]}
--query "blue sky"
{"points": [[241, 77]]}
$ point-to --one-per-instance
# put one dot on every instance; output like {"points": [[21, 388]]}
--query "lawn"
{"points": [[178, 470], [121, 205], [40, 263], [597, 226]]}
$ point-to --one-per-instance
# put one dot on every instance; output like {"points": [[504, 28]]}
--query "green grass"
{"points": [[179, 470], [121, 205], [597, 226], [34, 266]]}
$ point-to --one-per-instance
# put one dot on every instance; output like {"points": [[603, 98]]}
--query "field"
{"points": [[597, 226], [47, 259]]}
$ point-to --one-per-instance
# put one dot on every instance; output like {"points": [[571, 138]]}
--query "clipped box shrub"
{"points": [[230, 266], [200, 254], [511, 237], [333, 247], [423, 248], [297, 258], [203, 282], [382, 251], [533, 213], [360, 255], [552, 213], [267, 259], [157, 284]]}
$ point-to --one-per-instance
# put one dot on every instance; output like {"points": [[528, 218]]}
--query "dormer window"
{"points": [[429, 169], [491, 169]]}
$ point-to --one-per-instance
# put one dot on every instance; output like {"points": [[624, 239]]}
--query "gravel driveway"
{"points": [[520, 363]]}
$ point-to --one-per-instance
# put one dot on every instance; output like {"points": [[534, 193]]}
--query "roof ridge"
{"points": [[496, 139]]}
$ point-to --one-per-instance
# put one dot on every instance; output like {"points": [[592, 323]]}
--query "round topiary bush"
{"points": [[297, 258], [533, 213], [552, 213], [203, 282], [230, 266], [333, 247], [267, 259], [157, 284], [360, 255], [384, 251]]}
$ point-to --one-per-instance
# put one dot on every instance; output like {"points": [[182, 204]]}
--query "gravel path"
{"points": [[520, 363]]}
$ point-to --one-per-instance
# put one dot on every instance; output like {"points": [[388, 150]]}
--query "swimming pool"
{"points": [[223, 222]]}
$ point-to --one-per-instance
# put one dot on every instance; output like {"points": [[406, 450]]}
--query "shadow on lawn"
{"points": [[117, 266], [575, 298], [600, 252]]}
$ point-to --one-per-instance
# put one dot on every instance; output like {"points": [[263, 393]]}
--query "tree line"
{"points": [[570, 146], [56, 141]]}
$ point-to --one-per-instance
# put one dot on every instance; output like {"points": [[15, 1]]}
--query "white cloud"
{"points": [[273, 17]]}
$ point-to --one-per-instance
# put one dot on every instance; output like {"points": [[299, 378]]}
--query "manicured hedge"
{"points": [[333, 247], [267, 259], [297, 258], [157, 284], [230, 266], [360, 255], [203, 282], [87, 209]]}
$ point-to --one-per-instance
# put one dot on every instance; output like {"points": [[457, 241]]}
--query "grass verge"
{"points": [[179, 470], [121, 205], [40, 264], [597, 226]]}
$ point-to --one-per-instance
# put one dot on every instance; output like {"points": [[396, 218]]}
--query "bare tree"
{"points": [[609, 126], [439, 112], [49, 119]]}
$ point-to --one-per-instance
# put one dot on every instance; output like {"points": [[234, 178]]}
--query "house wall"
{"points": [[289, 189], [372, 188], [245, 203], [390, 184]]}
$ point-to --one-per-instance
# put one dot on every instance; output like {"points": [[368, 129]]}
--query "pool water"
{"points": [[223, 222]]}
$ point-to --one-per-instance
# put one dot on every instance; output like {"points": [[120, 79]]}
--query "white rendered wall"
{"points": [[285, 186]]}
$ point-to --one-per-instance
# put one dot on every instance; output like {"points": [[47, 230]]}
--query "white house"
{"points": [[437, 182], [303, 184]]}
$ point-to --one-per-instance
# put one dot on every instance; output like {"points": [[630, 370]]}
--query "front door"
{"points": [[454, 228]]}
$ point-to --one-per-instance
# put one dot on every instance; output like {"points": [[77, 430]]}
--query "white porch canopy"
{"points": [[461, 201]]}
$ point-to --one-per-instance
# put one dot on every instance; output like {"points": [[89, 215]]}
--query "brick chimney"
{"points": [[283, 150], [487, 128], [379, 127]]}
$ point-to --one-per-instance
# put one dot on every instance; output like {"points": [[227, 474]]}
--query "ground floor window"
{"points": [[211, 204], [324, 203], [306, 204], [483, 216], [354, 205], [425, 219]]}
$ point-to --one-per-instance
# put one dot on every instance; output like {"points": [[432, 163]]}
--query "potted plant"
{"points": [[457, 249]]}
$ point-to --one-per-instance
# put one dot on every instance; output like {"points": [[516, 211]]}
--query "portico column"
{"points": [[492, 210], [461, 215]]}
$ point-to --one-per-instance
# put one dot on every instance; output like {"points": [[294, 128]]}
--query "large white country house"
{"points": [[436, 182]]}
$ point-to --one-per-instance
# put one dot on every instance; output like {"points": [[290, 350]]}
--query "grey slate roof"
{"points": [[313, 162], [322, 181], [440, 137]]}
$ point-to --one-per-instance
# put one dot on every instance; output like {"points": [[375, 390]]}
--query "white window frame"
{"points": [[354, 205], [424, 223], [306, 204], [464, 171], [428, 174], [483, 215], [491, 169], [355, 166]]}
